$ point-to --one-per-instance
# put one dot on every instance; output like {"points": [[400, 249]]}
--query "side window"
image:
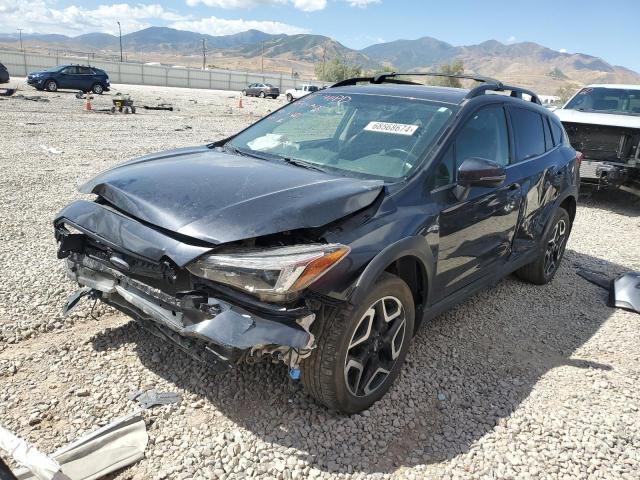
{"points": [[548, 141], [558, 132], [69, 70], [444, 172], [485, 135], [528, 132]]}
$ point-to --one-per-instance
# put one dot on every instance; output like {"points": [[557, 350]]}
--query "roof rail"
{"points": [[516, 92], [488, 83], [392, 78]]}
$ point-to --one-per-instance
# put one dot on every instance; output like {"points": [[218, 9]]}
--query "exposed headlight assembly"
{"points": [[270, 273]]}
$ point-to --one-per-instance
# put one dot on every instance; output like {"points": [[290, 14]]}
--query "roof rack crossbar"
{"points": [[516, 92]]}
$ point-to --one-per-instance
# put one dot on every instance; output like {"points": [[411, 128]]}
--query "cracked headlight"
{"points": [[270, 273]]}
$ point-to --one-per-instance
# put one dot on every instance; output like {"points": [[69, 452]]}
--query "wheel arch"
{"points": [[411, 260], [570, 205]]}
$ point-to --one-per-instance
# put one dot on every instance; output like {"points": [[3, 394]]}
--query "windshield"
{"points": [[369, 136], [620, 101]]}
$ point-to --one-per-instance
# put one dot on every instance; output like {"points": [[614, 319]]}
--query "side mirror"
{"points": [[479, 172]]}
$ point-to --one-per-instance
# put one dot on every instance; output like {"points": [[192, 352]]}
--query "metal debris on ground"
{"points": [[123, 103], [7, 92], [160, 106], [106, 450], [151, 398], [55, 151], [624, 291], [182, 129], [35, 98]]}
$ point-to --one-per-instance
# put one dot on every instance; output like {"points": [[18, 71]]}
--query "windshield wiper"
{"points": [[303, 164]]}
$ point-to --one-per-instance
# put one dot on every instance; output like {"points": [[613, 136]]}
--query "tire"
{"points": [[51, 86], [289, 98], [274, 97], [97, 89], [543, 269], [244, 93], [332, 375], [262, 95]]}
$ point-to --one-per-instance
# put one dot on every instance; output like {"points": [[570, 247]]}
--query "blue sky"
{"points": [[575, 26]]}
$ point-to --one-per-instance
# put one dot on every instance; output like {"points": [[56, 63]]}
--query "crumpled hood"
{"points": [[592, 118], [218, 197]]}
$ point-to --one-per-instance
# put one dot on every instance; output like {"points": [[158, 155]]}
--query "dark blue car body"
{"points": [[443, 239], [72, 77]]}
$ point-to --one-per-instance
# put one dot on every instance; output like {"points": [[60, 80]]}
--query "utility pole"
{"points": [[120, 30], [20, 32], [204, 55], [262, 58], [324, 56]]}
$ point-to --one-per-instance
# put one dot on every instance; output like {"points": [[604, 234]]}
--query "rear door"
{"points": [[539, 168], [475, 233], [85, 78]]}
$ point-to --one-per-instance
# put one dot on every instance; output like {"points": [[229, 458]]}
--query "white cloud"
{"points": [[304, 5], [223, 26], [511, 39], [362, 3], [563, 50], [41, 16]]}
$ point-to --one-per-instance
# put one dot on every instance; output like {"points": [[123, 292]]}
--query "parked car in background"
{"points": [[73, 77], [4, 74], [323, 235], [603, 122], [300, 91], [261, 90]]}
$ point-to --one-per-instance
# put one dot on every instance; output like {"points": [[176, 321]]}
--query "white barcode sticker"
{"points": [[395, 128]]}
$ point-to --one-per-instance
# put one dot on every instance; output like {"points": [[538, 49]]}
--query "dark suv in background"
{"points": [[325, 233], [73, 77], [4, 74]]}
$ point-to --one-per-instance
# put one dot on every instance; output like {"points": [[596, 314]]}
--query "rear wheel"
{"points": [[289, 97], [51, 86], [361, 349], [262, 95], [544, 268]]}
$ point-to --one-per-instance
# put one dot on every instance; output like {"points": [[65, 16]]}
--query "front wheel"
{"points": [[97, 89], [262, 95], [543, 269], [361, 349], [51, 86]]}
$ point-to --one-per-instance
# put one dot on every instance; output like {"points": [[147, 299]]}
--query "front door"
{"points": [[475, 232]]}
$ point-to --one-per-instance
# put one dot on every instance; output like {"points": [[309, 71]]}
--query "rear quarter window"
{"points": [[529, 133]]}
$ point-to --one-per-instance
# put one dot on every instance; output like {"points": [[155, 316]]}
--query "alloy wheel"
{"points": [[375, 346], [555, 247], [52, 86]]}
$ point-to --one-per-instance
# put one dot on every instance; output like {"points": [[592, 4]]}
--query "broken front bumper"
{"points": [[209, 329]]}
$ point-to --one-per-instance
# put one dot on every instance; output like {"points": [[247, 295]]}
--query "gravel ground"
{"points": [[518, 382]]}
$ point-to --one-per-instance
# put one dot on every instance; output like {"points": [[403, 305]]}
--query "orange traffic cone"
{"points": [[240, 102], [87, 102]]}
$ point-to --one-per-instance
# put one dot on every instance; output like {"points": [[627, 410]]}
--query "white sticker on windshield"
{"points": [[395, 128]]}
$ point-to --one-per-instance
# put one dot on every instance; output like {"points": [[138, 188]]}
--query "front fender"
{"points": [[414, 246]]}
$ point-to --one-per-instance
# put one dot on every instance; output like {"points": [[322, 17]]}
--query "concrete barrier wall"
{"points": [[20, 63]]}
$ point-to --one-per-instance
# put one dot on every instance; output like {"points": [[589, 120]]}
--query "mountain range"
{"points": [[526, 63]]}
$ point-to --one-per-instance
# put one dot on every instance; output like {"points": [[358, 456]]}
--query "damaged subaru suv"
{"points": [[324, 234]]}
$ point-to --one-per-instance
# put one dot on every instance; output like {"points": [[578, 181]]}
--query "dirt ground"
{"points": [[520, 381]]}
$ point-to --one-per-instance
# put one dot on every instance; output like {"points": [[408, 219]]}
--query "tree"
{"points": [[336, 70], [455, 68], [566, 92]]}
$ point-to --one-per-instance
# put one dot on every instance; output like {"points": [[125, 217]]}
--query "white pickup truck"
{"points": [[300, 91]]}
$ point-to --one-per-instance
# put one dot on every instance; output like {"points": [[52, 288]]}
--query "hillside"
{"points": [[526, 63]]}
